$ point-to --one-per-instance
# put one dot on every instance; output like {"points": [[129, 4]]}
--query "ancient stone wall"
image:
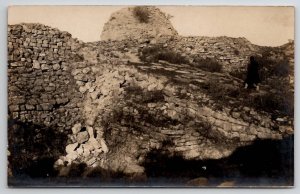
{"points": [[40, 86], [232, 53], [115, 112]]}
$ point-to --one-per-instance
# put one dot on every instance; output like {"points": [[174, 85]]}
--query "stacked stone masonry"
{"points": [[115, 111]]}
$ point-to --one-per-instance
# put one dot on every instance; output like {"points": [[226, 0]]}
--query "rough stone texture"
{"points": [[76, 128], [122, 108], [41, 88], [82, 137], [124, 25], [233, 53]]}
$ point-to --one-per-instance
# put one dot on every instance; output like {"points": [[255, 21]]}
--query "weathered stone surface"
{"points": [[71, 156], [236, 115], [14, 108], [46, 106], [103, 145], [36, 65], [71, 148], [95, 143], [56, 66], [82, 137], [76, 128], [132, 108], [126, 26], [91, 161]]}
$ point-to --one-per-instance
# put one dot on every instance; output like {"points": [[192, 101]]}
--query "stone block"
{"points": [[56, 66], [62, 100], [59, 44], [14, 108], [29, 107], [71, 147], [49, 89], [45, 67], [46, 106], [236, 115], [82, 137]]}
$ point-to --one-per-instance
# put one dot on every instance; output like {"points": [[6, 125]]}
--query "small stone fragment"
{"points": [[82, 137], [76, 128], [103, 145], [71, 147]]}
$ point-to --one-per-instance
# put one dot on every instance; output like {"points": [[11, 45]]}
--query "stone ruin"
{"points": [[114, 109], [124, 25]]}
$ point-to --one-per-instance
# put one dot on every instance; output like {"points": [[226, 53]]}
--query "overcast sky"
{"points": [[269, 26]]}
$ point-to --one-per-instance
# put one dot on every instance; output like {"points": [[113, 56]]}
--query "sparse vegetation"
{"points": [[279, 99], [221, 91], [29, 143], [141, 13], [138, 95], [238, 73], [135, 113], [273, 67], [203, 128], [274, 103], [282, 68], [208, 64], [273, 62], [157, 52], [236, 52]]}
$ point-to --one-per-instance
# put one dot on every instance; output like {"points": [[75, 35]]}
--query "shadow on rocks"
{"points": [[33, 149], [265, 162]]}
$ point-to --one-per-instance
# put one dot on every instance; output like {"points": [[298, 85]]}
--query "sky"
{"points": [[266, 26]]}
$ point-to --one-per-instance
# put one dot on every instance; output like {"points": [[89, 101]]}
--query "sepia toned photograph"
{"points": [[151, 96]]}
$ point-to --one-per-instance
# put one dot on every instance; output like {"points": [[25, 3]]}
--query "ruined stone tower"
{"points": [[137, 23]]}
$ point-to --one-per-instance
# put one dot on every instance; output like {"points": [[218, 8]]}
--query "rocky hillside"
{"points": [[107, 106], [137, 23]]}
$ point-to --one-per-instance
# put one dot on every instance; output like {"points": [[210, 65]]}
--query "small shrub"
{"points": [[236, 52], [154, 96], [141, 13], [221, 92], [274, 102], [208, 64], [172, 57], [271, 67], [78, 58], [240, 74], [282, 68], [281, 100], [167, 143], [203, 128], [138, 95], [134, 109], [216, 89], [157, 52]]}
